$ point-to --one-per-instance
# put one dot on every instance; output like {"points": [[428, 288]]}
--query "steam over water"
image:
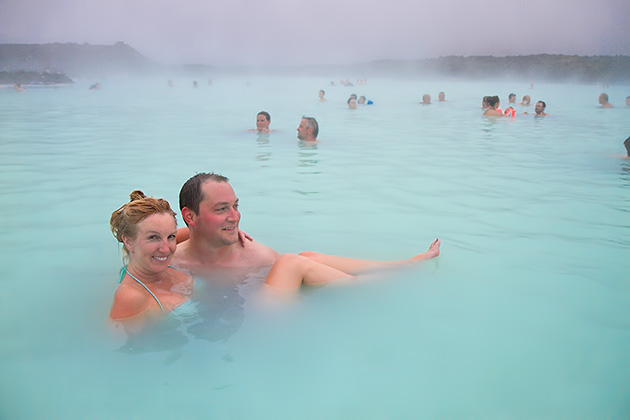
{"points": [[524, 314]]}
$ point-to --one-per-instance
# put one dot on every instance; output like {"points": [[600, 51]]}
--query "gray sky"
{"points": [[268, 32]]}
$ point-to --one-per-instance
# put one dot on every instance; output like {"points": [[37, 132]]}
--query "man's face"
{"points": [[262, 123], [602, 99], [539, 108], [218, 217], [303, 130]]}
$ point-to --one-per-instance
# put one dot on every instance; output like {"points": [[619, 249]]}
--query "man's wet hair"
{"points": [[191, 195], [312, 122]]}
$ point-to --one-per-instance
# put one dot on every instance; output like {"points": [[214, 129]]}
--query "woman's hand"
{"points": [[243, 237]]}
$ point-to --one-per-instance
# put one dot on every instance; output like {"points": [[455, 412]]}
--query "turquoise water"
{"points": [[525, 314]]}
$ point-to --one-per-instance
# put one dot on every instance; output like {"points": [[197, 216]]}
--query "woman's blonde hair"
{"points": [[124, 221]]}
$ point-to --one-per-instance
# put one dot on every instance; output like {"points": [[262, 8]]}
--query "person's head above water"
{"points": [[512, 98], [352, 103], [263, 119], [484, 103], [125, 220], [603, 100], [492, 101], [209, 208], [308, 129], [191, 194], [426, 99], [441, 97], [526, 100]]}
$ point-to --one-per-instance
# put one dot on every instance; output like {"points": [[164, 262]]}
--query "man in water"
{"points": [[627, 100], [321, 95], [308, 129], [209, 208], [539, 109], [603, 100], [441, 97], [512, 99], [352, 103], [426, 99]]}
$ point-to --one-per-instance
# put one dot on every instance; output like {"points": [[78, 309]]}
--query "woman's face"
{"points": [[262, 123], [153, 247]]}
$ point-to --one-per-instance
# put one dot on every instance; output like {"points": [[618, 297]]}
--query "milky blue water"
{"points": [[524, 315]]}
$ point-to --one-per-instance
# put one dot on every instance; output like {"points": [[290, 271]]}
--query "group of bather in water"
{"points": [[157, 277]]}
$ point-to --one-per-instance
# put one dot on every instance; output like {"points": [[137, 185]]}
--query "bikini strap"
{"points": [[124, 271]]}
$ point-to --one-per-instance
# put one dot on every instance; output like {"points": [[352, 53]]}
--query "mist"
{"points": [[300, 32]]}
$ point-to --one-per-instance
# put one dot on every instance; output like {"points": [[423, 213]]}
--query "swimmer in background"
{"points": [[95, 86], [493, 107], [321, 96], [627, 100], [484, 103], [263, 119], [308, 129], [525, 101], [512, 99], [352, 103], [194, 83], [364, 101], [170, 83], [426, 99], [539, 109], [18, 87], [442, 97], [626, 144], [603, 100]]}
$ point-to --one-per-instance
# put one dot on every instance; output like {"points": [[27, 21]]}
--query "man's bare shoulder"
{"points": [[256, 254]]}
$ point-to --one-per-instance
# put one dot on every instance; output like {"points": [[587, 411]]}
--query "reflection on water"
{"points": [[307, 157], [264, 153]]}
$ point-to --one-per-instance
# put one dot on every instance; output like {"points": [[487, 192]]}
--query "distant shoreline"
{"points": [[34, 78], [85, 60]]}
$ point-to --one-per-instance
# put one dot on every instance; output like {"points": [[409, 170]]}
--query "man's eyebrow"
{"points": [[224, 203]]}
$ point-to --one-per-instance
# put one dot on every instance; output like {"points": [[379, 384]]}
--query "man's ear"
{"points": [[189, 216]]}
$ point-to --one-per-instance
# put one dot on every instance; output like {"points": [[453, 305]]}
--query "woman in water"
{"points": [[493, 110], [150, 287]]}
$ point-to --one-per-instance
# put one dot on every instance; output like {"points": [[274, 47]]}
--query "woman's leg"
{"points": [[290, 271], [351, 265]]}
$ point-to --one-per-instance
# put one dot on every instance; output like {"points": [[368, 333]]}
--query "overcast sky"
{"points": [[268, 32]]}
